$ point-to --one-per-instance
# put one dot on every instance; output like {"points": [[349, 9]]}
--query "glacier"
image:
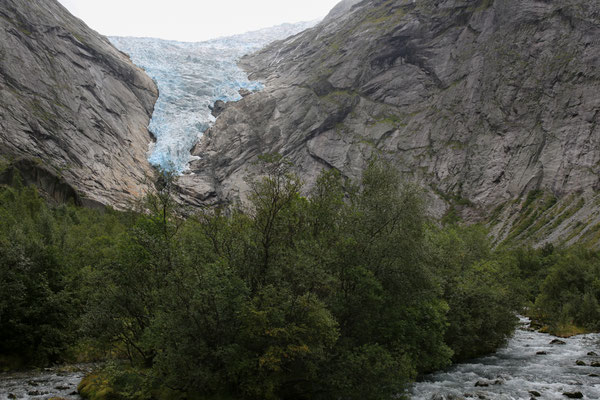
{"points": [[191, 76]]}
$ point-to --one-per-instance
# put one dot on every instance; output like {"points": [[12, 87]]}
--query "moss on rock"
{"points": [[96, 386]]}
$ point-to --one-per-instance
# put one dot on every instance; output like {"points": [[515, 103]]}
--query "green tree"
{"points": [[477, 286], [129, 284], [571, 292], [386, 301], [35, 301]]}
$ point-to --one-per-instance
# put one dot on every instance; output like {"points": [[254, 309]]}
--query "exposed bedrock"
{"points": [[479, 101], [71, 102]]}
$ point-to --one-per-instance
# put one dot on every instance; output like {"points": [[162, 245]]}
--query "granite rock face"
{"points": [[72, 104], [479, 101]]}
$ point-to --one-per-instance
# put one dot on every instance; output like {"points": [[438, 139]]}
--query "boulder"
{"points": [[244, 92], [218, 108]]}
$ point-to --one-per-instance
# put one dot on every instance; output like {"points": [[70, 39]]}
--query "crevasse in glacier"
{"points": [[190, 78]]}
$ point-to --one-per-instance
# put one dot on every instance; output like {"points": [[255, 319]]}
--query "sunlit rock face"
{"points": [[191, 77], [478, 101], [72, 105]]}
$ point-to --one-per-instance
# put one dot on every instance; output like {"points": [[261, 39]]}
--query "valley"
{"points": [[353, 208]]}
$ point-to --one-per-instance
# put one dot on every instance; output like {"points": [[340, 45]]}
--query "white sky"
{"points": [[192, 20]]}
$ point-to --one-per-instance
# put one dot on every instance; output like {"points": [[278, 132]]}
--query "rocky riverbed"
{"points": [[531, 365], [43, 384]]}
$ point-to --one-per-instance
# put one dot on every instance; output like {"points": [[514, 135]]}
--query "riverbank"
{"points": [[560, 330], [533, 364]]}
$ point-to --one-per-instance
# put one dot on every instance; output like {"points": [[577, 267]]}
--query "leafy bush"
{"points": [[478, 287], [570, 294], [348, 292], [284, 299], [35, 298]]}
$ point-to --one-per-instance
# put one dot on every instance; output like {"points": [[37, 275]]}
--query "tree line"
{"points": [[349, 291]]}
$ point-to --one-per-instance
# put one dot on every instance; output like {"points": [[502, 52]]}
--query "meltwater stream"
{"points": [[57, 382], [190, 78], [529, 366]]}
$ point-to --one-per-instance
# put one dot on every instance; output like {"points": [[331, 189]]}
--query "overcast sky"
{"points": [[192, 20]]}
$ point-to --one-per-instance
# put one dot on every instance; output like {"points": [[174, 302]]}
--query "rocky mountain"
{"points": [[491, 105], [74, 111]]}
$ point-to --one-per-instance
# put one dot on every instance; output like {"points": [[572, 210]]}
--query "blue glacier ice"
{"points": [[190, 78]]}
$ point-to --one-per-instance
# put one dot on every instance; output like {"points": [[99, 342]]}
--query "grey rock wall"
{"points": [[73, 103], [480, 101]]}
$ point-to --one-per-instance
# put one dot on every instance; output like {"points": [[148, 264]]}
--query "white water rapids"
{"points": [[43, 384], [527, 366]]}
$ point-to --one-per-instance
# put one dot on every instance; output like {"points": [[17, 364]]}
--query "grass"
{"points": [[593, 235], [79, 38], [340, 128], [568, 213], [380, 16], [96, 386], [531, 197], [122, 382], [456, 145], [4, 163], [495, 216], [533, 214], [485, 4], [389, 119], [451, 217], [340, 97], [563, 330], [454, 200], [577, 229], [11, 363]]}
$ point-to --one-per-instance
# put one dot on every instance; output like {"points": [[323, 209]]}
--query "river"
{"points": [[529, 366], [43, 384]]}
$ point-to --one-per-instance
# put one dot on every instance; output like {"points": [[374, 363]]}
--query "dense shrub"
{"points": [[478, 288], [35, 300], [348, 292], [570, 294]]}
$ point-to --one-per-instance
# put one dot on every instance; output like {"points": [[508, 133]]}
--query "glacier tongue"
{"points": [[190, 78]]}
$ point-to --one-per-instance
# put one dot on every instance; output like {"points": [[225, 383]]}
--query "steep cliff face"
{"points": [[480, 101], [72, 104]]}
